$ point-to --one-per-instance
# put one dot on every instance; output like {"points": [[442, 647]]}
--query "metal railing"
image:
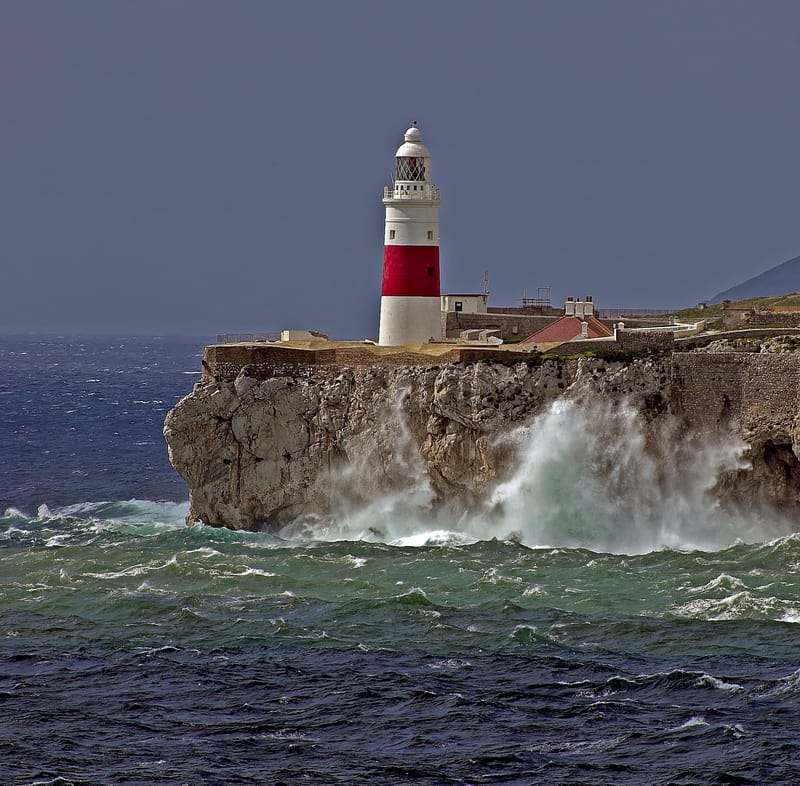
{"points": [[426, 192], [616, 313]]}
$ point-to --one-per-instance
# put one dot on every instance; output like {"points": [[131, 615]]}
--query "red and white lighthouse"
{"points": [[410, 298]]}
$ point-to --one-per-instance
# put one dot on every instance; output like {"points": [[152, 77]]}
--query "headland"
{"points": [[276, 432]]}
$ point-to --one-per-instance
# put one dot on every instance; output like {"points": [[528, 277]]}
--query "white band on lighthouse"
{"points": [[410, 296]]}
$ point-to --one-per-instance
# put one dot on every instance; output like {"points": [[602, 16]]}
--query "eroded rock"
{"points": [[257, 453]]}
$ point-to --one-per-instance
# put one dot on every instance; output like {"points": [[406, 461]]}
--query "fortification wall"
{"points": [[645, 341], [579, 346], [779, 319], [754, 391], [700, 340], [626, 341], [264, 361]]}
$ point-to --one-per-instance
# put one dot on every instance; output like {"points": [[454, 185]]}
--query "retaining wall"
{"points": [[226, 361], [712, 389], [454, 322]]}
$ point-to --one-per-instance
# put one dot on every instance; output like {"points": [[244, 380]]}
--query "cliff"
{"points": [[263, 443]]}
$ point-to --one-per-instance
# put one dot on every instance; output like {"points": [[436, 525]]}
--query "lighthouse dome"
{"points": [[412, 146]]}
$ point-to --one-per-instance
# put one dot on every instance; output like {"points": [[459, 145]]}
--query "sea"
{"points": [[400, 648]]}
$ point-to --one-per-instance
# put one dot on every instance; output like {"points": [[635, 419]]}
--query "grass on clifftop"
{"points": [[709, 313]]}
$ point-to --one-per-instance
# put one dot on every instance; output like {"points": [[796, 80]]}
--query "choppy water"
{"points": [[135, 650]]}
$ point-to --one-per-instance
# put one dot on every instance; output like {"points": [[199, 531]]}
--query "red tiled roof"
{"points": [[567, 328]]}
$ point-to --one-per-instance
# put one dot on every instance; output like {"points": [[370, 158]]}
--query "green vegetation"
{"points": [[711, 313], [789, 301], [536, 359], [614, 355]]}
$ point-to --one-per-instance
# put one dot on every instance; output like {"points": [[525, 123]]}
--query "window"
{"points": [[410, 168], [430, 272], [430, 234], [391, 234], [459, 305]]}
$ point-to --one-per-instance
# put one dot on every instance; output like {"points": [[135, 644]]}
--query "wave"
{"points": [[588, 474], [133, 511], [86, 522]]}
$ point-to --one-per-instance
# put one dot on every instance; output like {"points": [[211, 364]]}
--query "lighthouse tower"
{"points": [[410, 301]]}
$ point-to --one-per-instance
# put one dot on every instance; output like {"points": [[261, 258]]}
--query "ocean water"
{"points": [[586, 628]]}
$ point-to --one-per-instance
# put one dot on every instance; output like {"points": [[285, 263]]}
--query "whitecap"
{"points": [[450, 663], [145, 586], [171, 515], [740, 605], [285, 734], [723, 582], [133, 570], [256, 572], [709, 681], [205, 552], [414, 591], [694, 722], [440, 537], [788, 684], [580, 747], [534, 589]]}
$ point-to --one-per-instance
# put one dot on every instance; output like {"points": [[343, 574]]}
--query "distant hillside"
{"points": [[775, 281]]}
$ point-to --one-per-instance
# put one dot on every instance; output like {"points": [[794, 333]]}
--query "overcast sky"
{"points": [[199, 167]]}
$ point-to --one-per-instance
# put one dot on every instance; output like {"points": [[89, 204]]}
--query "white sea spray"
{"points": [[589, 473]]}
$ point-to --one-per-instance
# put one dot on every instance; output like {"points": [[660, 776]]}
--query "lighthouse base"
{"points": [[409, 320]]}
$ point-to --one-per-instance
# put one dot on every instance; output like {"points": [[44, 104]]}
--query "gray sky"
{"points": [[201, 167]]}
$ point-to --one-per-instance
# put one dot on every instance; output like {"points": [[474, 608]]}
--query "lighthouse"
{"points": [[410, 298]]}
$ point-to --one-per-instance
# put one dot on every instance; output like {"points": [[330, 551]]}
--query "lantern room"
{"points": [[413, 158]]}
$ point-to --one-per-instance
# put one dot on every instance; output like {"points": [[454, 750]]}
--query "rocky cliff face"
{"points": [[259, 452]]}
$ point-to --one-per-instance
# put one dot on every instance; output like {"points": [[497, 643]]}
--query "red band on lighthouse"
{"points": [[411, 271]]}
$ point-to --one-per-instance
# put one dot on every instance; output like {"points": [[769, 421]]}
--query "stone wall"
{"points": [[700, 340], [526, 324], [265, 361], [778, 319], [645, 340], [579, 346], [757, 392], [626, 341]]}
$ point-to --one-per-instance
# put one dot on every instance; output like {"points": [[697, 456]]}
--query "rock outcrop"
{"points": [[259, 450]]}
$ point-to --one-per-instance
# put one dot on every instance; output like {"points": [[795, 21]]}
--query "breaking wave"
{"points": [[587, 475]]}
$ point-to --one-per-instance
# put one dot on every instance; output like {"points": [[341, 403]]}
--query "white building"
{"points": [[466, 304]]}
